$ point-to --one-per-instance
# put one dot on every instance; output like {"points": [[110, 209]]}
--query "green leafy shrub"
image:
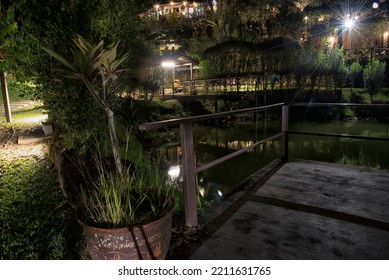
{"points": [[373, 76]]}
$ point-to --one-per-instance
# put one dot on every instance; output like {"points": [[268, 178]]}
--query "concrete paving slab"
{"points": [[27, 140], [353, 190], [259, 231], [306, 210]]}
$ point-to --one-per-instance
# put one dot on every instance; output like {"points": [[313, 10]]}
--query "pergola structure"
{"points": [[180, 63]]}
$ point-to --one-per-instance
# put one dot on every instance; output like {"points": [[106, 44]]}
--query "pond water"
{"points": [[212, 143]]}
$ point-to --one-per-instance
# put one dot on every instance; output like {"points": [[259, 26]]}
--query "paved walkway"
{"points": [[16, 106], [306, 210], [27, 104]]}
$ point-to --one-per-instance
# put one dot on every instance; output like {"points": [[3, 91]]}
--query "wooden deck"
{"points": [[305, 210]]}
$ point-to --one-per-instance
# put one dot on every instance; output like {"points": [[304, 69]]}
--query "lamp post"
{"points": [[170, 64], [348, 26], [157, 10], [331, 41]]}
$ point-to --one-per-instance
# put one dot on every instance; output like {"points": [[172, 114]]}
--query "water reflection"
{"points": [[212, 143]]}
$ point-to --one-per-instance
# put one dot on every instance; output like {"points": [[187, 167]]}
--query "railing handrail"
{"points": [[174, 122], [302, 104], [339, 135], [188, 158]]}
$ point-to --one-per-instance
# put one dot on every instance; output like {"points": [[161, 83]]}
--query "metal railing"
{"points": [[188, 158]]}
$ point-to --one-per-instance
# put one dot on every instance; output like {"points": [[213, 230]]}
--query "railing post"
{"points": [[188, 165], [285, 128]]}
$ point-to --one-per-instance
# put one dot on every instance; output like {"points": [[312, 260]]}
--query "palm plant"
{"points": [[97, 66]]}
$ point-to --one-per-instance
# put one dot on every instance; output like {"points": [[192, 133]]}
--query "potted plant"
{"points": [[127, 216], [126, 209]]}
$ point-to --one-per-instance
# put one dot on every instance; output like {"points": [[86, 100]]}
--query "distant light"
{"points": [[375, 5], [332, 39], [202, 192], [156, 6], [219, 193], [349, 23], [214, 6], [168, 64], [386, 34], [184, 3], [172, 3]]}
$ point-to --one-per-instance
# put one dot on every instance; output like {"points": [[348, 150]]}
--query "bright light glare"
{"points": [[219, 193], [168, 64], [174, 172], [349, 23], [375, 5]]}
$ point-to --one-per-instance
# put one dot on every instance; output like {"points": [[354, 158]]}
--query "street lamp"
{"points": [[349, 23], [386, 34], [170, 64], [214, 6], [331, 41], [157, 10]]}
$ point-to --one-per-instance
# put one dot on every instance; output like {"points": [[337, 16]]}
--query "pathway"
{"points": [[17, 105], [306, 210]]}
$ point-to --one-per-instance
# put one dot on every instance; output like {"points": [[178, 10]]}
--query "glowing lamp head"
{"points": [[349, 23], [168, 64]]}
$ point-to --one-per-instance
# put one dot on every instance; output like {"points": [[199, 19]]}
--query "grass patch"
{"points": [[26, 113], [36, 221]]}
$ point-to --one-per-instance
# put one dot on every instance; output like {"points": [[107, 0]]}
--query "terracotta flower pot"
{"points": [[138, 242]]}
